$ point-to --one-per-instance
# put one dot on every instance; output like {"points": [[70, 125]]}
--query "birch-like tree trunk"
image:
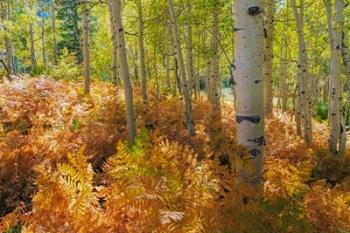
{"points": [[86, 48], [32, 46], [303, 72], [43, 44], [248, 73], [215, 71], [346, 61], [140, 26], [180, 60], [336, 128], [268, 60], [124, 72], [189, 49], [114, 67], [54, 39]]}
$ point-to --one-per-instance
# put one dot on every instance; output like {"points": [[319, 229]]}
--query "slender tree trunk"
{"points": [[43, 45], [141, 51], [32, 46], [8, 42], [54, 39], [337, 129], [86, 48], [268, 60], [328, 8], [114, 68], [249, 58], [124, 72], [346, 61], [215, 71], [303, 72], [186, 95], [189, 48]]}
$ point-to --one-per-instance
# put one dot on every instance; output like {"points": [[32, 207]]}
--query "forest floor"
{"points": [[65, 167]]}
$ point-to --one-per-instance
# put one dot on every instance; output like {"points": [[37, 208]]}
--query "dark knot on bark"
{"points": [[254, 10]]}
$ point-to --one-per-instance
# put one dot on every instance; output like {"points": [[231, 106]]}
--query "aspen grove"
{"points": [[184, 116]]}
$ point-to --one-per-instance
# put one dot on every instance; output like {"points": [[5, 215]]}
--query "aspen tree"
{"points": [[86, 48], [214, 70], [268, 60], [54, 38], [140, 26], [124, 72], [32, 46], [189, 49], [114, 68], [43, 46], [304, 100], [336, 129], [248, 73], [182, 71]]}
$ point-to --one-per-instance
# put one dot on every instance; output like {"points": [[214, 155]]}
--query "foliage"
{"points": [[67, 168], [67, 67]]}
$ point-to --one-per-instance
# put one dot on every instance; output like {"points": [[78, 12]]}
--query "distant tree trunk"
{"points": [[249, 58], [346, 61], [186, 95], [114, 68], [215, 71], [32, 46], [337, 129], [209, 81], [141, 46], [303, 72], [54, 39], [189, 47], [124, 72], [329, 14], [86, 48], [43, 46], [8, 43], [283, 67], [268, 60]]}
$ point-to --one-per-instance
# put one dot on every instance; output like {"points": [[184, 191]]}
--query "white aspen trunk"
{"points": [[32, 46], [124, 72], [189, 48], [268, 58], [336, 129], [114, 67], [249, 58], [43, 47], [185, 91], [329, 14], [8, 43], [140, 26], [303, 72], [346, 61], [86, 49], [215, 71], [54, 39]]}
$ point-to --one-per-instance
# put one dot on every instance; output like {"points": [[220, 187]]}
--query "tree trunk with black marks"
{"points": [[336, 127], [124, 73], [86, 49], [189, 49], [305, 102], [140, 26], [32, 46], [268, 60], [43, 45], [54, 39], [248, 73], [114, 68], [185, 89], [215, 70]]}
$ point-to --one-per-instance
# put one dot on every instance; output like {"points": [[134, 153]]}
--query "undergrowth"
{"points": [[65, 167]]}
